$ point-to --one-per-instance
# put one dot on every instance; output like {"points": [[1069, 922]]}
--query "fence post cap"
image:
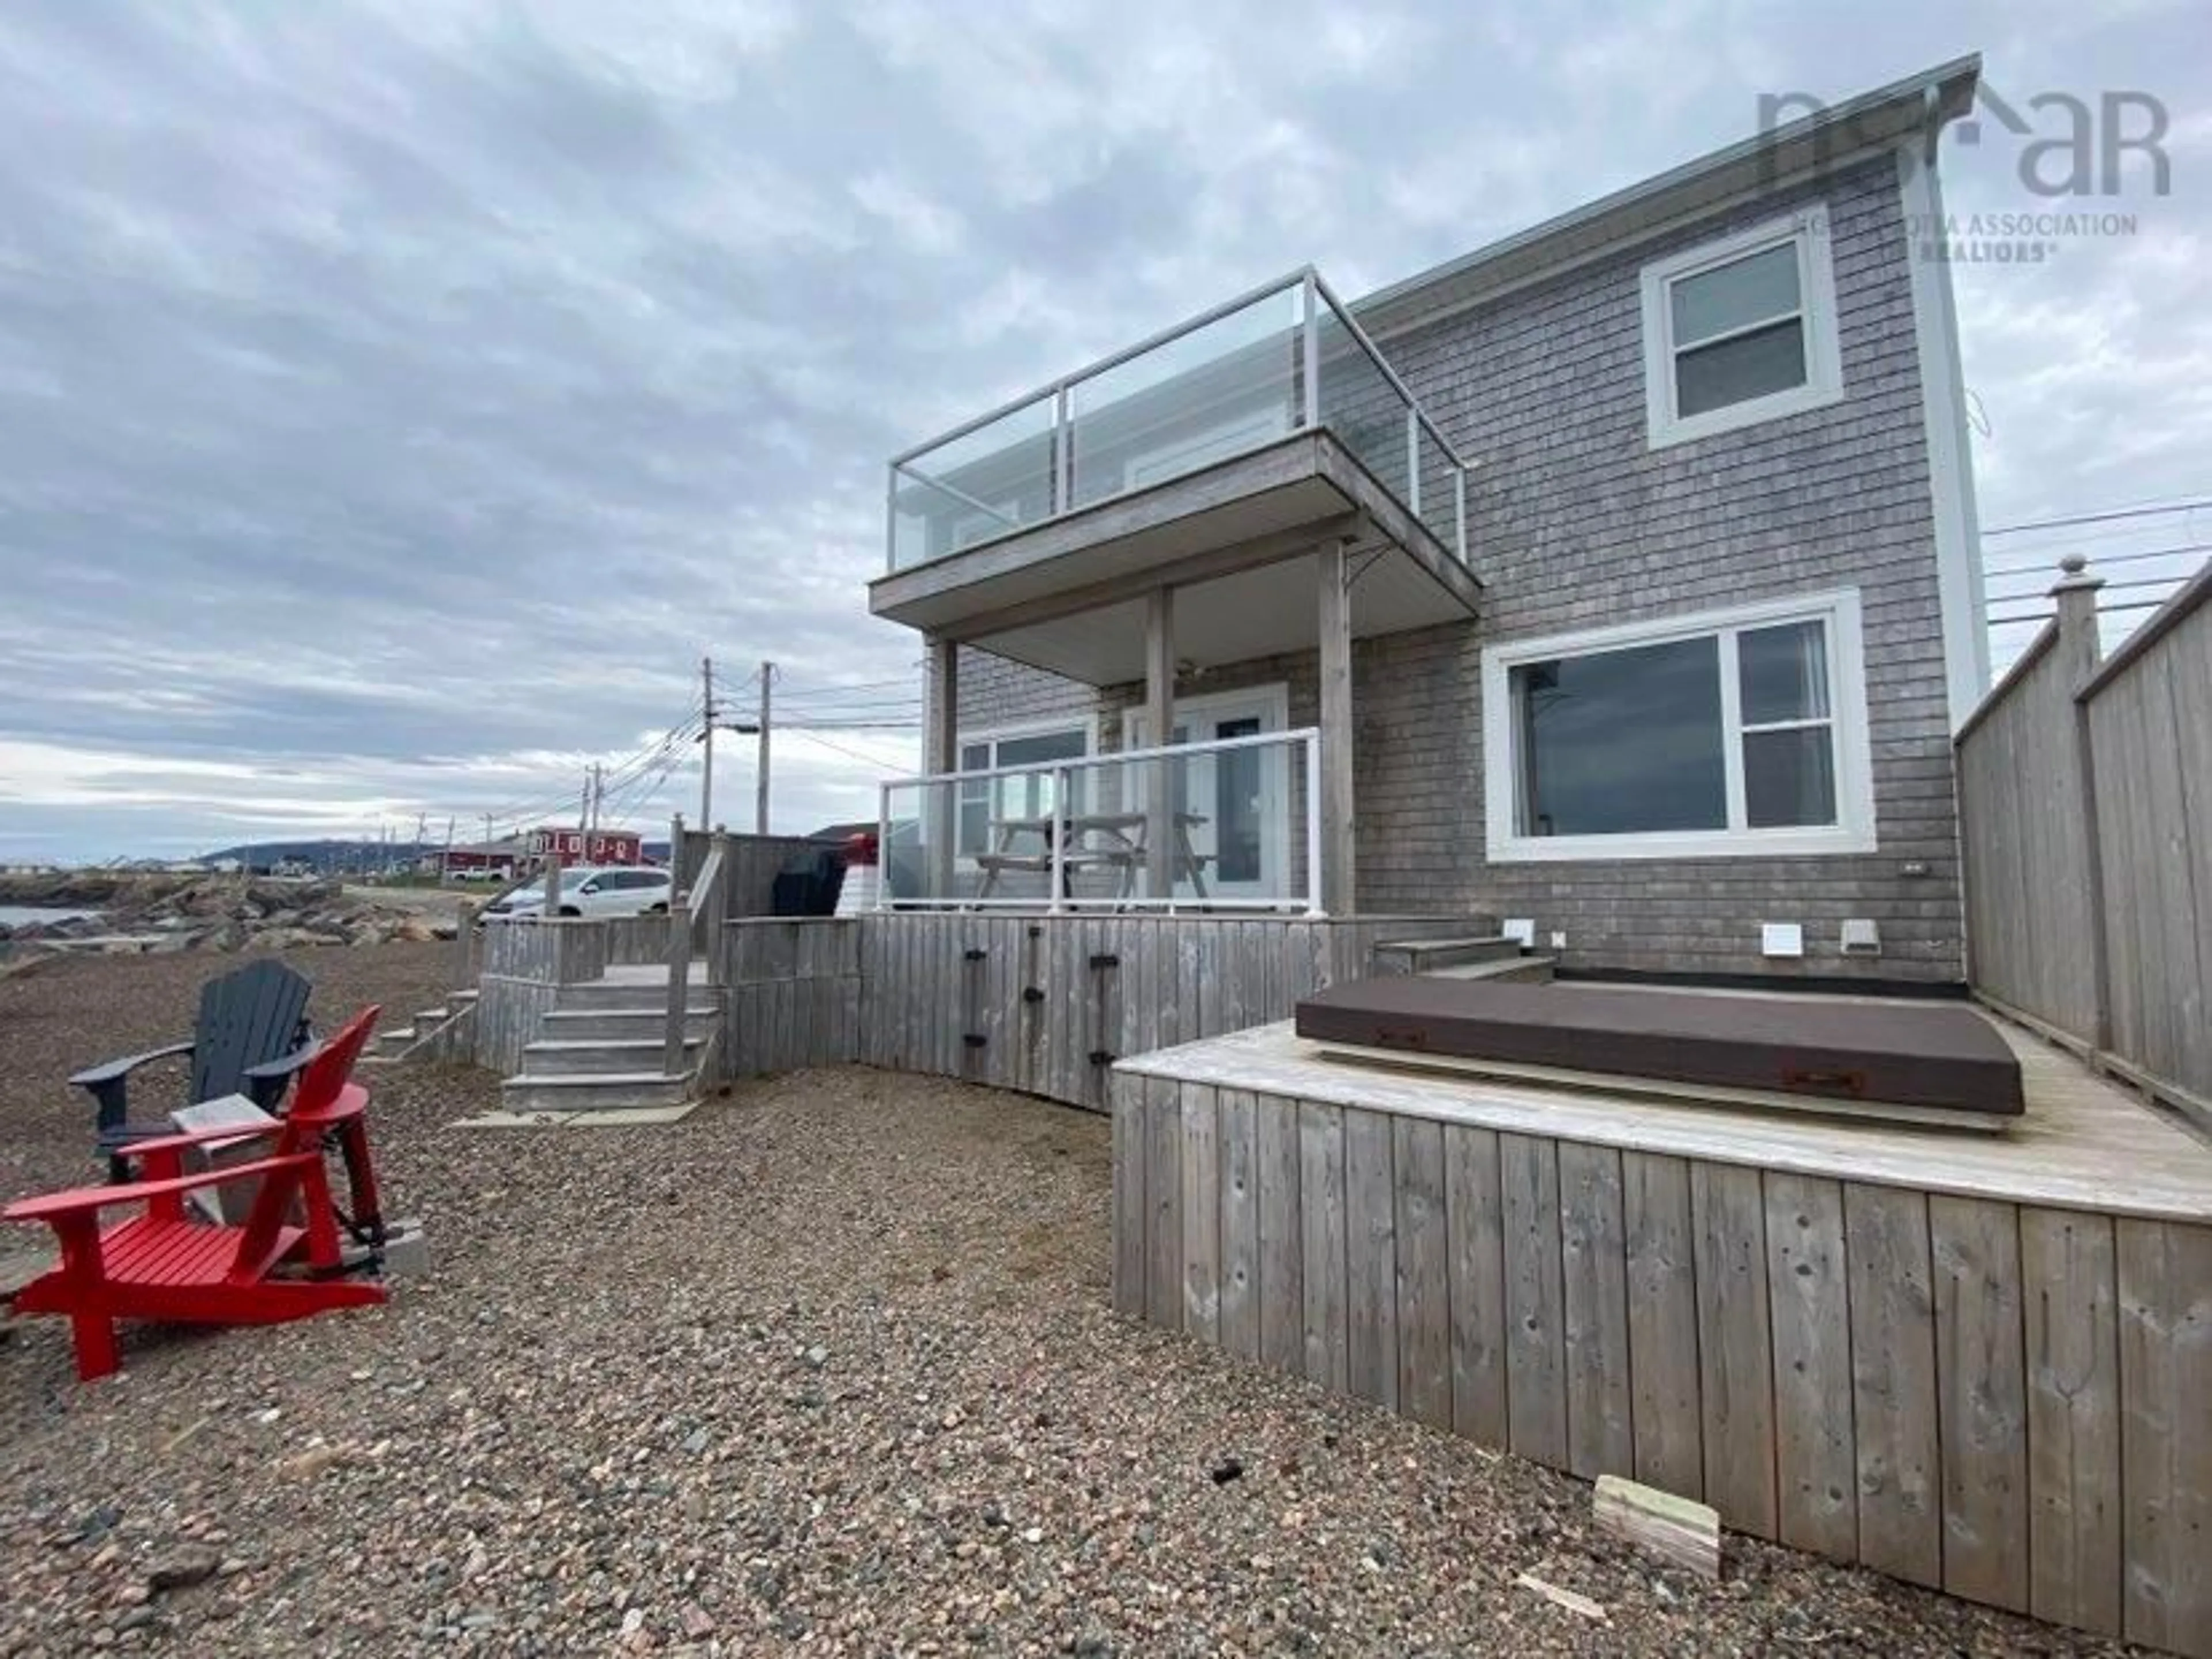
{"points": [[2074, 577]]}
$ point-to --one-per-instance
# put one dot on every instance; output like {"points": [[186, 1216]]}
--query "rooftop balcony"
{"points": [[1263, 430]]}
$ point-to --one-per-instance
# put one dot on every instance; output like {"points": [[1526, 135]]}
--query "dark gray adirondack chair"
{"points": [[252, 1034]]}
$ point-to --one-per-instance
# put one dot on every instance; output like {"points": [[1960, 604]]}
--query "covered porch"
{"points": [[1255, 483]]}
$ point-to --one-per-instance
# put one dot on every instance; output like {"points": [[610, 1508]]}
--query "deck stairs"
{"points": [[1488, 956], [602, 1046], [424, 1034]]}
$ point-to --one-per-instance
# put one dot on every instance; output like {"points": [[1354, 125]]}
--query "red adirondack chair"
{"points": [[165, 1263]]}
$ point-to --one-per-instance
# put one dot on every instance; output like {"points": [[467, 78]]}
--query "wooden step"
{"points": [[592, 1091], [1534, 970], [574, 1056], [566, 1023], [1428, 956]]}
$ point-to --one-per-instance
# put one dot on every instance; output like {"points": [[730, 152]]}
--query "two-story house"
{"points": [[1619, 578]]}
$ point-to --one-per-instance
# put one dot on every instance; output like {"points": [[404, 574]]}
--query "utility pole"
{"points": [[707, 737], [487, 831], [760, 805]]}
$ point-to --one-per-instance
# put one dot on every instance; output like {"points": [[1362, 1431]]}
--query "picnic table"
{"points": [[1093, 840]]}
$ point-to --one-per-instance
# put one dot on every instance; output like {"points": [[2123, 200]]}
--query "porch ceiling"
{"points": [[1069, 594], [1264, 612]]}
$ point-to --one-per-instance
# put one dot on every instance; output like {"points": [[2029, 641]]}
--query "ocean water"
{"points": [[15, 915]]}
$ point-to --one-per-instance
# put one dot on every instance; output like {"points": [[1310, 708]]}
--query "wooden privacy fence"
{"points": [[2085, 803], [751, 865], [2002, 1400]]}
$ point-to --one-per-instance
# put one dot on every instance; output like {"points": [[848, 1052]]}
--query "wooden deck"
{"points": [[1981, 1363]]}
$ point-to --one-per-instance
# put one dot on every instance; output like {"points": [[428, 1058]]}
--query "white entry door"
{"points": [[1240, 798]]}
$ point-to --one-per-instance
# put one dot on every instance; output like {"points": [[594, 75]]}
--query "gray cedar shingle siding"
{"points": [[1574, 523]]}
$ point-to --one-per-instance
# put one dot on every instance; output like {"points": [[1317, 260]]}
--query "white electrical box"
{"points": [[1520, 930], [1780, 939]]}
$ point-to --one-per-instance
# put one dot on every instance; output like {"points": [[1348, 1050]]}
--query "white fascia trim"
{"points": [[1852, 833], [1816, 281], [1961, 590]]}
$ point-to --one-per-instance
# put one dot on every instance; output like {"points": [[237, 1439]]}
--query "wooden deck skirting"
{"points": [[1985, 1381], [1047, 1004]]}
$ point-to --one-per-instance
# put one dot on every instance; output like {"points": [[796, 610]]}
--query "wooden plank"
{"points": [[1326, 1355], [1662, 1323], [1372, 1256], [1894, 1382], [1240, 1222], [1202, 1213], [2069, 1277], [1982, 1415], [1677, 1528], [1475, 1222], [1535, 1311], [1164, 1196], [1735, 1350], [1424, 1379], [1131, 1160], [1815, 1458], [2165, 1275], [1594, 1276], [1282, 1238]]}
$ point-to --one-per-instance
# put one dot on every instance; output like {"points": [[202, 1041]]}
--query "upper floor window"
{"points": [[1741, 330]]}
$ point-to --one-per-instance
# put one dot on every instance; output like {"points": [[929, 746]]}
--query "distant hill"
{"points": [[324, 857]]}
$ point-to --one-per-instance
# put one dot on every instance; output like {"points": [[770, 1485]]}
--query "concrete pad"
{"points": [[610, 1117]]}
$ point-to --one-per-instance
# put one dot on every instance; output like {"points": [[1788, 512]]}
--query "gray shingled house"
{"points": [[1619, 578]]}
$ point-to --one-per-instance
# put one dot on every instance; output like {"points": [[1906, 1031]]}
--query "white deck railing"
{"points": [[1286, 356], [1228, 825]]}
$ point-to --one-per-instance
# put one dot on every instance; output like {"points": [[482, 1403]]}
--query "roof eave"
{"points": [[1883, 119]]}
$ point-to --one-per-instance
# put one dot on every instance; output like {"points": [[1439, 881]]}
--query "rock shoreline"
{"points": [[202, 913]]}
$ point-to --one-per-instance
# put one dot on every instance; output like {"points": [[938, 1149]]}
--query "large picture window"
{"points": [[1740, 331], [1736, 732]]}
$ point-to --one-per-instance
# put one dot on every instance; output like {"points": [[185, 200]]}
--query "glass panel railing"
{"points": [[1361, 407], [1439, 505], [1224, 825], [983, 484], [1225, 387], [1229, 382]]}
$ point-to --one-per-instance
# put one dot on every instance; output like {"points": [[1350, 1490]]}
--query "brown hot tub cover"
{"points": [[1935, 1055]]}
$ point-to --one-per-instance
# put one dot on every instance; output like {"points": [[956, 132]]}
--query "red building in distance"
{"points": [[586, 846]]}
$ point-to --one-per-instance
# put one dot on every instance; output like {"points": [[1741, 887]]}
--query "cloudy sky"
{"points": [[396, 400]]}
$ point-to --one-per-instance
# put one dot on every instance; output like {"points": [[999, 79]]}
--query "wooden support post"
{"points": [[1159, 722], [1339, 882], [713, 900], [679, 984], [2080, 650], [940, 754], [465, 941], [552, 887]]}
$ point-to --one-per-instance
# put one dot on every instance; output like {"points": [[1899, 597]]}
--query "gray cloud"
{"points": [[395, 401]]}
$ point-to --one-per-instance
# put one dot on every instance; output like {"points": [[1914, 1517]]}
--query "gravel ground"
{"points": [[827, 1368]]}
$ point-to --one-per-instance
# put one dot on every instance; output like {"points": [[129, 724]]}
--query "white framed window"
{"points": [[1737, 733], [1740, 331], [989, 806]]}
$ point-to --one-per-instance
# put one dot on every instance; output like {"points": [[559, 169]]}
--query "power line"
{"points": [[849, 754], [2102, 610], [2108, 558], [2112, 517]]}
